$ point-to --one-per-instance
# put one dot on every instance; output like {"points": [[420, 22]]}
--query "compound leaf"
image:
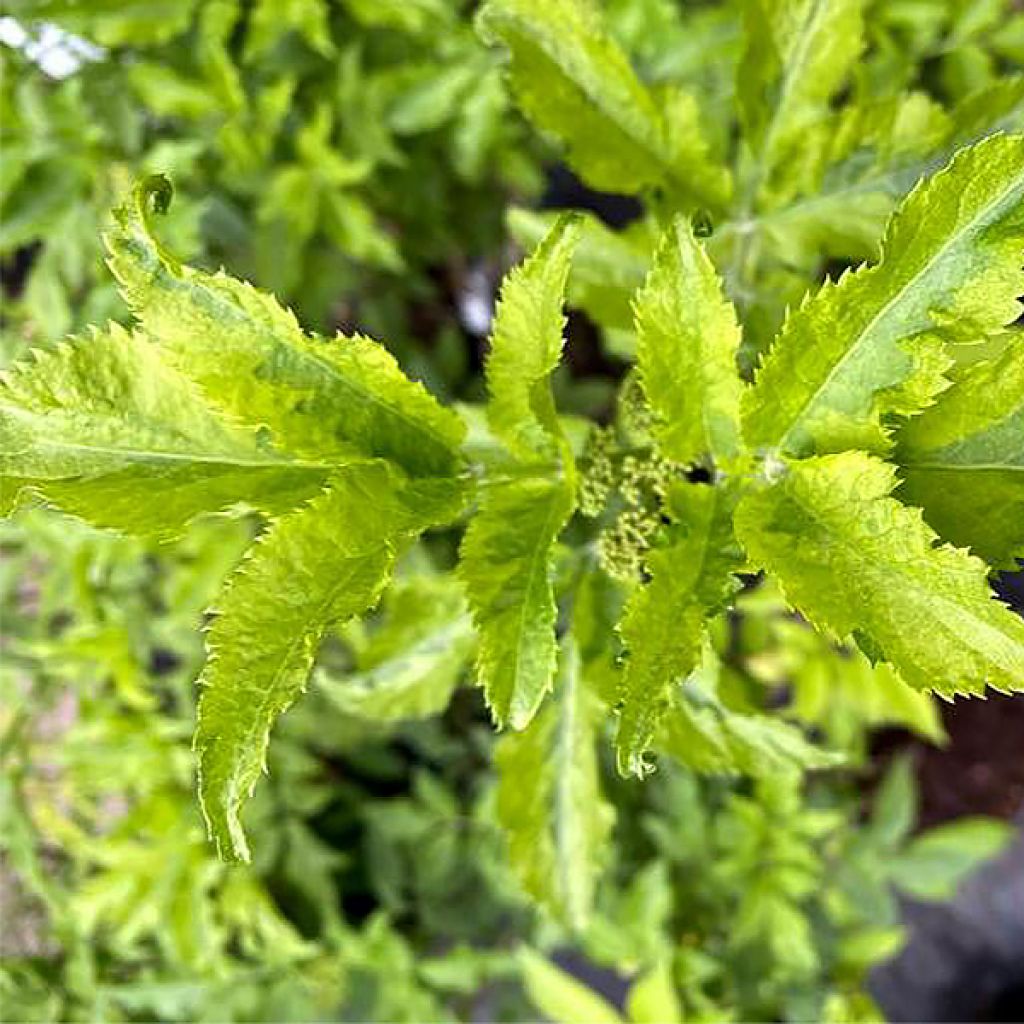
{"points": [[327, 398], [962, 460], [549, 798], [859, 564], [104, 429], [687, 338], [869, 346]]}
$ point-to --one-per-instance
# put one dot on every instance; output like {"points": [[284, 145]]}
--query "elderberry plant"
{"points": [[877, 440]]}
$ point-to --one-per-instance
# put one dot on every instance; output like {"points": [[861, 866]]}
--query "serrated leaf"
{"points": [[797, 54], [664, 620], [526, 346], [549, 801], [858, 564], [687, 339], [411, 665], [962, 460], [869, 346], [312, 569], [572, 79], [335, 398], [507, 563], [101, 427], [705, 735]]}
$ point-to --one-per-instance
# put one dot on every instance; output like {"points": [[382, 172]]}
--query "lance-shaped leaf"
{"points": [[664, 620], [549, 799], [101, 427], [559, 996], [526, 346], [859, 564], [797, 54], [869, 346], [572, 79], [313, 568], [687, 338], [336, 398], [410, 665], [963, 459], [507, 564], [705, 735]]}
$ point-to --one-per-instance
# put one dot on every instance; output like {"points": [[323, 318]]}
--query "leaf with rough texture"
{"points": [[101, 427], [859, 564], [507, 564], [687, 339], [411, 664], [336, 399], [312, 569], [962, 460], [572, 79], [664, 620], [526, 346], [549, 799], [797, 55], [870, 345]]}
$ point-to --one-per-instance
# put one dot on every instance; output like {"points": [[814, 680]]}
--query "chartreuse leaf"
{"points": [[653, 998], [313, 568], [859, 564], [526, 346], [962, 460], [870, 345], [687, 338], [507, 555], [411, 664], [572, 79], [797, 54], [705, 735], [664, 620], [333, 399], [103, 428], [507, 564], [559, 996], [549, 799]]}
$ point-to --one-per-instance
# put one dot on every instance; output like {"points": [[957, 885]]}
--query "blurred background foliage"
{"points": [[365, 160]]}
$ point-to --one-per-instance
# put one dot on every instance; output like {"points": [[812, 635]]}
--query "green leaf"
{"points": [[797, 55], [869, 346], [559, 996], [653, 998], [702, 733], [507, 564], [103, 428], [664, 620], [962, 460], [572, 79], [687, 339], [549, 799], [312, 569], [859, 564], [935, 863], [411, 665], [330, 398], [526, 346]]}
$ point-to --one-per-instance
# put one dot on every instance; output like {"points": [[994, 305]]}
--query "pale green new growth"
{"points": [[333, 399], [549, 799], [526, 346], [871, 345], [963, 459], [559, 996], [507, 563], [101, 427], [410, 666], [664, 620], [312, 569], [687, 338], [572, 79], [859, 564]]}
